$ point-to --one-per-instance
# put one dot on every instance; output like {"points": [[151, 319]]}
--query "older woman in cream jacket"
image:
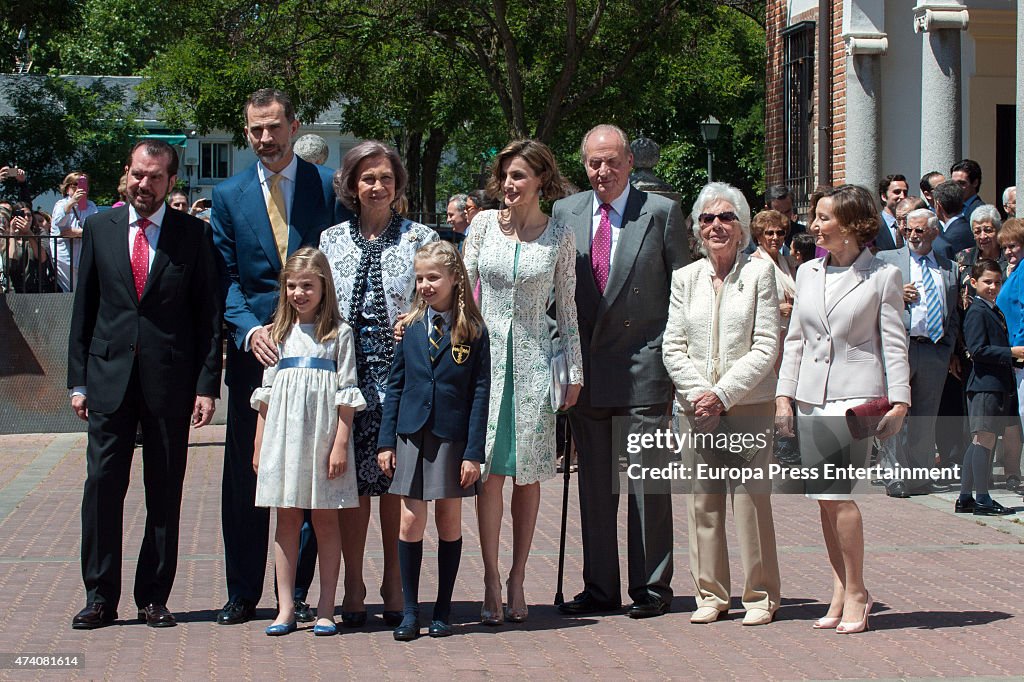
{"points": [[720, 346]]}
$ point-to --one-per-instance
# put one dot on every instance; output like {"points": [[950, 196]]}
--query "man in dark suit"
{"points": [[259, 216], [956, 231], [967, 174], [933, 336], [892, 189], [144, 348], [628, 243]]}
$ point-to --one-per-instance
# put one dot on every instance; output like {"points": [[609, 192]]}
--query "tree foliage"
{"points": [[58, 126], [449, 81]]}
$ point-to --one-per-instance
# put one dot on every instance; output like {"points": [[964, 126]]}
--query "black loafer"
{"points": [[303, 612], [964, 506], [353, 619], [896, 489], [157, 616], [236, 611], [648, 609], [994, 509], [439, 628], [1013, 483], [584, 604], [408, 630], [94, 615]]}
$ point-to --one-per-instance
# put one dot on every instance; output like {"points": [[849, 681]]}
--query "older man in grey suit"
{"points": [[628, 243], [932, 320]]}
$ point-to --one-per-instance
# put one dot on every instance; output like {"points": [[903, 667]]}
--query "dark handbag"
{"points": [[863, 419]]}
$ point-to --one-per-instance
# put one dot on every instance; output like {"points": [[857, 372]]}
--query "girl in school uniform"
{"points": [[434, 425], [303, 452]]}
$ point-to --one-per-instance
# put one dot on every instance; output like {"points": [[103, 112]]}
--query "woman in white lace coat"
{"points": [[720, 345], [519, 255]]}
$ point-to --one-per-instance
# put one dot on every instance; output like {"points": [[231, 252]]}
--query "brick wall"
{"points": [[774, 126], [838, 95], [775, 22]]}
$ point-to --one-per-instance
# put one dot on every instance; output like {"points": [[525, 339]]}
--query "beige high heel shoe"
{"points": [[846, 628], [490, 615], [516, 614]]}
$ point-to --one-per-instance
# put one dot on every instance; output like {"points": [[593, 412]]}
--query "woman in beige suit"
{"points": [[846, 345], [719, 348]]}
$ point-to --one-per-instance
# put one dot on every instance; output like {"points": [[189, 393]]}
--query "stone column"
{"points": [[941, 106], [866, 44]]}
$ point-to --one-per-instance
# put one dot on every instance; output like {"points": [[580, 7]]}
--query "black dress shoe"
{"points": [[439, 628], [896, 489], [994, 509], [648, 609], [408, 630], [964, 506], [304, 612], [157, 616], [584, 604], [94, 615], [236, 611], [354, 619]]}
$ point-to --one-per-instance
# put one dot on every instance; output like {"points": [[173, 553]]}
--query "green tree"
{"points": [[57, 126]]}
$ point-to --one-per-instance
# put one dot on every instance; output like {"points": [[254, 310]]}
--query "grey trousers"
{"points": [[649, 518]]}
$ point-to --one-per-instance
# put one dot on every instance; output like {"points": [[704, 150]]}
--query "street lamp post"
{"points": [[709, 131]]}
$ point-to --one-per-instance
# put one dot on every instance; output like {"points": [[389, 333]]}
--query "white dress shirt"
{"points": [[614, 217], [919, 308], [287, 184]]}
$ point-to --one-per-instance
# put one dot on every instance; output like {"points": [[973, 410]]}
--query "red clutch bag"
{"points": [[863, 419]]}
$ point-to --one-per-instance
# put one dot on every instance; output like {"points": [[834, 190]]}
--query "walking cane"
{"points": [[566, 464]]}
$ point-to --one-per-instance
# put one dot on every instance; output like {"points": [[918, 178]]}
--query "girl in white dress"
{"points": [[303, 450]]}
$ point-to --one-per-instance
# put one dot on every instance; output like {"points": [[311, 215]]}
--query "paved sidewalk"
{"points": [[948, 593]]}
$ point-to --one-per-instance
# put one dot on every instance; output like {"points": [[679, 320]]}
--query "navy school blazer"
{"points": [[444, 396], [989, 347]]}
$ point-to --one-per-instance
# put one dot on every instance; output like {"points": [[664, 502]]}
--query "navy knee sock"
{"points": [[410, 557], [974, 477], [449, 554]]}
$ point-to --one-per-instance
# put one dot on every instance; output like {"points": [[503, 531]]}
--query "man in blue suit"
{"points": [[259, 216]]}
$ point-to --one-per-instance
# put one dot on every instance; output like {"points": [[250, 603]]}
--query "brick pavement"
{"points": [[947, 588]]}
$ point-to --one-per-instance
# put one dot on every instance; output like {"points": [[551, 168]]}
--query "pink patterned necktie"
{"points": [[140, 257], [601, 249]]}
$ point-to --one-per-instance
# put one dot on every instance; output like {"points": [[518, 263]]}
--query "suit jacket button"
{"points": [[636, 290], [131, 347], [625, 323], [819, 337]]}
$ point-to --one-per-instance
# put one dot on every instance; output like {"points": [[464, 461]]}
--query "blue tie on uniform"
{"points": [[435, 336], [933, 314]]}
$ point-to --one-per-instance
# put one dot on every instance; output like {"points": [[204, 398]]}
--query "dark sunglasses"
{"points": [[774, 233], [724, 216]]}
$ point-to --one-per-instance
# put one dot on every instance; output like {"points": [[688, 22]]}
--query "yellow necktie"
{"points": [[278, 219]]}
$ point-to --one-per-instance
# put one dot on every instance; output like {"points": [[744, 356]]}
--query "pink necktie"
{"points": [[140, 257], [601, 249]]}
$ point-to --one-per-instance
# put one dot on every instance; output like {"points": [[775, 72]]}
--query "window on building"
{"points": [[214, 161], [798, 100]]}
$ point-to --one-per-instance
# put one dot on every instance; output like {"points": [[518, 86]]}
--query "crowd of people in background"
{"points": [[884, 304]]}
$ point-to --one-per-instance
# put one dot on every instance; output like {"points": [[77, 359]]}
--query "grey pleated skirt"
{"points": [[428, 468]]}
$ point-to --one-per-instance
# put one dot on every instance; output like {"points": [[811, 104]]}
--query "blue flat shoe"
{"points": [[282, 629], [325, 630], [408, 630]]}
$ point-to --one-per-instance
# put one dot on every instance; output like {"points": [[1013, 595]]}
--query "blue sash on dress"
{"points": [[308, 363]]}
